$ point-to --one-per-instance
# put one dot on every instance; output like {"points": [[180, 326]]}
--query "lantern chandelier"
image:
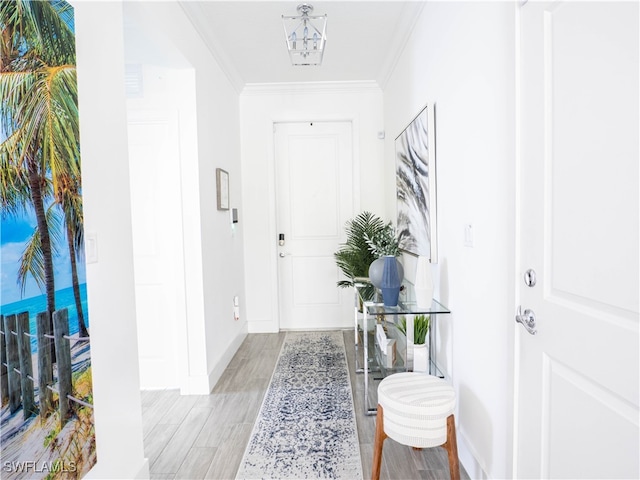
{"points": [[306, 36]]}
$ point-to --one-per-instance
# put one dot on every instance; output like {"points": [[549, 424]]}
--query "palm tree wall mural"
{"points": [[41, 229]]}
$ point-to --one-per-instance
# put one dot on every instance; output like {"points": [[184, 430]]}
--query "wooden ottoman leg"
{"points": [[377, 445], [451, 446]]}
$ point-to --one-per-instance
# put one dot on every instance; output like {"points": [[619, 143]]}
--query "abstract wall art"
{"points": [[416, 186]]}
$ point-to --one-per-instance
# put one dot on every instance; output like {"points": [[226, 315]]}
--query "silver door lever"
{"points": [[527, 319]]}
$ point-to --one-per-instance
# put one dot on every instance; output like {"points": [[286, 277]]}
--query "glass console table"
{"points": [[368, 314]]}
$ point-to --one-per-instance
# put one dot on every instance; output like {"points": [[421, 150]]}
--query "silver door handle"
{"points": [[527, 319], [282, 254]]}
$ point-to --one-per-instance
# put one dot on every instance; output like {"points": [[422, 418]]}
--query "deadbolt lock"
{"points": [[530, 278]]}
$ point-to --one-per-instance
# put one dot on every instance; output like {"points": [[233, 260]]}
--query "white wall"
{"points": [[261, 106], [212, 248], [213, 253], [107, 214], [462, 57]]}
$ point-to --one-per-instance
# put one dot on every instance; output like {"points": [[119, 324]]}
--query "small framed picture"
{"points": [[222, 185]]}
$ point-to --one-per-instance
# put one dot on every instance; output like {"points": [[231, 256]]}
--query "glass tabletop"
{"points": [[406, 302], [409, 308]]}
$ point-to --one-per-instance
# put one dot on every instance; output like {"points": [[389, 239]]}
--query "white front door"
{"points": [[577, 378], [314, 196], [156, 213]]}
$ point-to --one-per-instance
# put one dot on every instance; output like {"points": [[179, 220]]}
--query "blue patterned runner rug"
{"points": [[306, 427]]}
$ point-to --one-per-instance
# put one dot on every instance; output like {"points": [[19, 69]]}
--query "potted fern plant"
{"points": [[354, 256], [420, 350]]}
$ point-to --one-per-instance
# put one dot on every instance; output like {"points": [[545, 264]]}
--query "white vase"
{"points": [[420, 358], [423, 285]]}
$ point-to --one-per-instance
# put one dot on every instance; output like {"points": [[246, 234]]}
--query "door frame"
{"points": [[515, 349], [271, 186], [186, 324], [154, 116]]}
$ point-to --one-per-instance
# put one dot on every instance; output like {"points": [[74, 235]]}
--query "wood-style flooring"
{"points": [[204, 436]]}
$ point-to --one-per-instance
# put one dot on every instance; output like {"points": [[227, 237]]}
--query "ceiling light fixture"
{"points": [[306, 36]]}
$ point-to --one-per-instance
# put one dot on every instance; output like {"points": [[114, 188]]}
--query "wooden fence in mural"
{"points": [[17, 384]]}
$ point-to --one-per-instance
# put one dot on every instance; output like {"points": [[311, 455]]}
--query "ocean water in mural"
{"points": [[47, 421]]}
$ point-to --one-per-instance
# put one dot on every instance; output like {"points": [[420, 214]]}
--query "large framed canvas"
{"points": [[46, 388], [416, 186]]}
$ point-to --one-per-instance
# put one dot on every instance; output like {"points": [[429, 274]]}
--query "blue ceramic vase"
{"points": [[390, 282], [377, 267]]}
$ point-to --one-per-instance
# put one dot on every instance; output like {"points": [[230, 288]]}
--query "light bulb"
{"points": [[315, 41], [293, 39]]}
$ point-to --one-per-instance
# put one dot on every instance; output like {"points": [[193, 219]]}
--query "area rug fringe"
{"points": [[306, 427]]}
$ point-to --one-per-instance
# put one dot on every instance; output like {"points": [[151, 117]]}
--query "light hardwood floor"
{"points": [[204, 436]]}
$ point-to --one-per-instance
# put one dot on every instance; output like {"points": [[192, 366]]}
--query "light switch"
{"points": [[236, 308], [91, 247], [468, 235]]}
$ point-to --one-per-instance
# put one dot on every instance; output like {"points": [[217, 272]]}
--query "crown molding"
{"points": [[292, 88], [403, 31], [195, 14]]}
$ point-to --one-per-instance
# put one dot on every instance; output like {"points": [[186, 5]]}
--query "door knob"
{"points": [[527, 319], [282, 254]]}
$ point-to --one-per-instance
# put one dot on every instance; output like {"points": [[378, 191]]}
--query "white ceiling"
{"points": [[247, 38]]}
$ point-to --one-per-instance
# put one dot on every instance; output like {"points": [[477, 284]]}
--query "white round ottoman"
{"points": [[415, 409]]}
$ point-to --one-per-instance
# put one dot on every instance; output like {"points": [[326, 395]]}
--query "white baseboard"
{"points": [[203, 384], [218, 370], [468, 458], [196, 385], [262, 327], [112, 472], [144, 472]]}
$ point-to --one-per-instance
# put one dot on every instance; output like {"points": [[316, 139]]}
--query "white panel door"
{"points": [[314, 195], [577, 398], [154, 164]]}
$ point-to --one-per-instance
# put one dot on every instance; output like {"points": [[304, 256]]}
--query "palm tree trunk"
{"points": [[45, 240], [82, 328]]}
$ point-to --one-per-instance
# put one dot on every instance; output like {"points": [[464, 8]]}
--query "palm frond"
{"points": [[14, 185], [70, 200], [32, 259], [42, 27], [54, 227], [32, 263], [354, 256]]}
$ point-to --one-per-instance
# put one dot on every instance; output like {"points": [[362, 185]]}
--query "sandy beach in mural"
{"points": [[40, 448]]}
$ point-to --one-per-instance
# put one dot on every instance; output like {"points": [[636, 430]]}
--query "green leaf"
{"points": [[420, 328], [354, 256]]}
